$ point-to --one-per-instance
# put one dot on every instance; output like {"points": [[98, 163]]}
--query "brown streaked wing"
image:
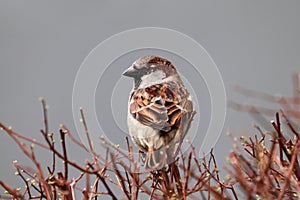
{"points": [[160, 106]]}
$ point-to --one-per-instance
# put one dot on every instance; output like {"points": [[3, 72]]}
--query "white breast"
{"points": [[139, 130]]}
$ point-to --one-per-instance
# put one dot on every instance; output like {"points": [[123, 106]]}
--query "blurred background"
{"points": [[255, 44]]}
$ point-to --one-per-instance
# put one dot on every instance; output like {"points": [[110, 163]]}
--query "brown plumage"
{"points": [[160, 109]]}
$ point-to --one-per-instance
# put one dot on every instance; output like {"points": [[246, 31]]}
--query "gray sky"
{"points": [[254, 44]]}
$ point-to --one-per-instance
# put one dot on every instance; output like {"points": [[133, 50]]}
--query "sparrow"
{"points": [[160, 110]]}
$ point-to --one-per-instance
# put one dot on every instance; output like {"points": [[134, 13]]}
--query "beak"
{"points": [[131, 72]]}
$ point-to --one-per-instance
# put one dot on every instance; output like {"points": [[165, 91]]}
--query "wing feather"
{"points": [[161, 105]]}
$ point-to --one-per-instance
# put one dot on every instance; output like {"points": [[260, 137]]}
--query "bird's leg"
{"points": [[152, 157], [143, 156], [151, 161]]}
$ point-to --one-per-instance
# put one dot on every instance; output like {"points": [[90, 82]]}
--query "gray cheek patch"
{"points": [[153, 77]]}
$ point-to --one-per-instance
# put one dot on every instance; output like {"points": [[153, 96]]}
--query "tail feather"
{"points": [[157, 159]]}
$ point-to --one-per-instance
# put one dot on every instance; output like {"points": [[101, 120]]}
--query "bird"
{"points": [[160, 110]]}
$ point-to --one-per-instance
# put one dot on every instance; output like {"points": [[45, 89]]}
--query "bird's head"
{"points": [[149, 70]]}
